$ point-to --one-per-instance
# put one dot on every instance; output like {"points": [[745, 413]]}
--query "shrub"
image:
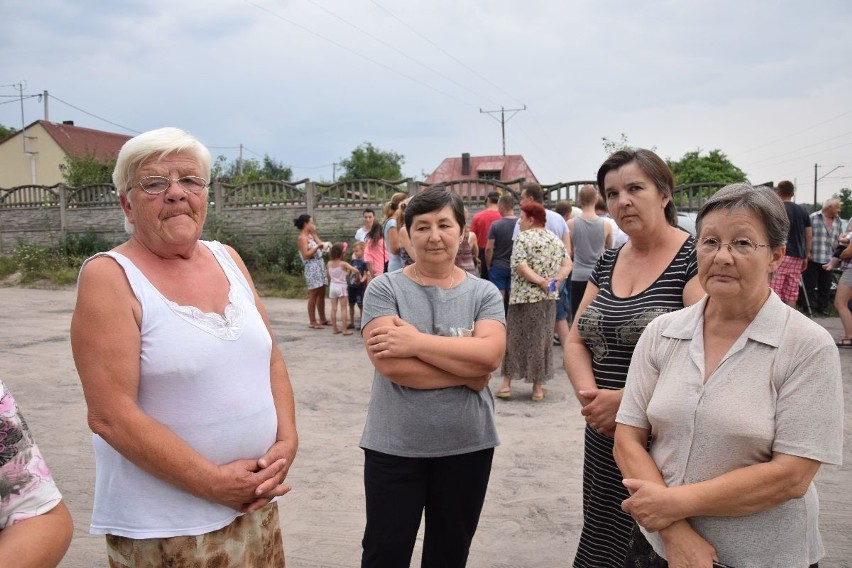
{"points": [[37, 262]]}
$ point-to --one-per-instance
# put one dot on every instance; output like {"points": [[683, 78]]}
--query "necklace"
{"points": [[419, 281]]}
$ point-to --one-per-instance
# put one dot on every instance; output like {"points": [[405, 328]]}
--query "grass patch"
{"points": [[273, 263]]}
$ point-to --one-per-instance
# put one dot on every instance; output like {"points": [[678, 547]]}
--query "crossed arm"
{"points": [[742, 491], [418, 360]]}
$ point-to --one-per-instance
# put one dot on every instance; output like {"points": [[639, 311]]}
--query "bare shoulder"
{"points": [[102, 272]]}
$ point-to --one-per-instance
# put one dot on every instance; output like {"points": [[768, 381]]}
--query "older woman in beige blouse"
{"points": [[742, 397]]}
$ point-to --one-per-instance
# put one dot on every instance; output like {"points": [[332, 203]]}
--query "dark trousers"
{"points": [[483, 270], [578, 288], [818, 286], [450, 489]]}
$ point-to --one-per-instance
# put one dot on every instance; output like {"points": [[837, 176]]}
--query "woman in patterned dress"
{"points": [[653, 273], [35, 525], [538, 259], [310, 251]]}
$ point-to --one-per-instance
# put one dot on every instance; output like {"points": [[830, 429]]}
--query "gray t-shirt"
{"points": [[416, 423]]}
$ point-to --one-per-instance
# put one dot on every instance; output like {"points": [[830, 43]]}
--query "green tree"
{"points": [[367, 161], [712, 168], [86, 169], [612, 146], [845, 197], [5, 132], [245, 171]]}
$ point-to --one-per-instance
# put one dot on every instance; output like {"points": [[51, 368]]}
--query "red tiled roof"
{"points": [[510, 168], [77, 141]]}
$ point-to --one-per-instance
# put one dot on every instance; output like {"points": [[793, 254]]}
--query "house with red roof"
{"points": [[467, 167], [36, 155]]}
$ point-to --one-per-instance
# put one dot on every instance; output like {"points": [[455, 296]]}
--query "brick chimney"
{"points": [[465, 170]]}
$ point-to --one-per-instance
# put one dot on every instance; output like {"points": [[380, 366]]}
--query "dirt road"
{"points": [[532, 512]]}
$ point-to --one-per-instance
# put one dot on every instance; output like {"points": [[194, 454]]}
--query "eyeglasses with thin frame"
{"points": [[738, 247], [155, 185]]}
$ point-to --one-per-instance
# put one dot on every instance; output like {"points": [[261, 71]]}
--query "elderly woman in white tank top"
{"points": [[188, 395]]}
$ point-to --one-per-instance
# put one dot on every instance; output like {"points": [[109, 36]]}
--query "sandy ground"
{"points": [[532, 513]]}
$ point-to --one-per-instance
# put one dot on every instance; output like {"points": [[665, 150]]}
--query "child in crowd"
{"points": [[337, 270], [357, 284], [374, 250]]}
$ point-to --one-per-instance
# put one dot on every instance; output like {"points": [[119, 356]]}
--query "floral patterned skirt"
{"points": [[250, 541]]}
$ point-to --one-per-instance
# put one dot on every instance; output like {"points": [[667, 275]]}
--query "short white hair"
{"points": [[830, 201], [157, 143]]}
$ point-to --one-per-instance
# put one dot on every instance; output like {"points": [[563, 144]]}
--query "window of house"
{"points": [[489, 174]]}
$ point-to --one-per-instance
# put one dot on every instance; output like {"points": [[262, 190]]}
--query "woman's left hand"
{"points": [[601, 408], [397, 340], [650, 504]]}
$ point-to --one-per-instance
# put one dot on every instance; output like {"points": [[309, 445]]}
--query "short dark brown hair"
{"points": [[532, 190], [786, 188]]}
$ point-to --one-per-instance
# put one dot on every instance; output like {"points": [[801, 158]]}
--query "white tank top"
{"points": [[204, 376]]}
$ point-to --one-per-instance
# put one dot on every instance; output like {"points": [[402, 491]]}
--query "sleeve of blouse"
{"points": [[809, 405], [25, 481], [641, 379], [519, 251], [599, 267], [379, 300], [491, 306]]}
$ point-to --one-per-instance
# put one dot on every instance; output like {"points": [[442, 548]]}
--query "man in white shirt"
{"points": [[369, 218]]}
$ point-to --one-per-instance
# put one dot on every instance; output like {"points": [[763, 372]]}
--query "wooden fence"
{"points": [[45, 214]]}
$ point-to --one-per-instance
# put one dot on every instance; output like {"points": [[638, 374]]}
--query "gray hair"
{"points": [[155, 144], [830, 202], [760, 200]]}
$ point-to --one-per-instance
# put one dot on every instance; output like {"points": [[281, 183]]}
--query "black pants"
{"points": [[450, 489], [818, 286]]}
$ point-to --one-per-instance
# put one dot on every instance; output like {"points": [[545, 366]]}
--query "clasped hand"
{"points": [[247, 485]]}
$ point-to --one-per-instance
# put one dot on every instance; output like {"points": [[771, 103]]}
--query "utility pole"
{"points": [[240, 161], [503, 119], [46, 119]]}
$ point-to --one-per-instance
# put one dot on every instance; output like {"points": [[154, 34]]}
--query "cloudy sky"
{"points": [[305, 81]]}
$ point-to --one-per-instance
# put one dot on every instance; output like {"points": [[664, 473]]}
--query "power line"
{"points": [[399, 51], [793, 134], [52, 96], [797, 150], [439, 48], [353, 52]]}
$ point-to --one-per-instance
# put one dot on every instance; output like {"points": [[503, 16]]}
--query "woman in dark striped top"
{"points": [[653, 273]]}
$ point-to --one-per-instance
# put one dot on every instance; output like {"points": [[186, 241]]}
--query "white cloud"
{"points": [[307, 80]]}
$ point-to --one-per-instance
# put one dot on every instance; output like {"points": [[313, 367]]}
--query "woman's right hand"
{"points": [[599, 408], [685, 548]]}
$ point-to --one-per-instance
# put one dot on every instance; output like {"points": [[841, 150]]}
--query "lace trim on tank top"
{"points": [[228, 326]]}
